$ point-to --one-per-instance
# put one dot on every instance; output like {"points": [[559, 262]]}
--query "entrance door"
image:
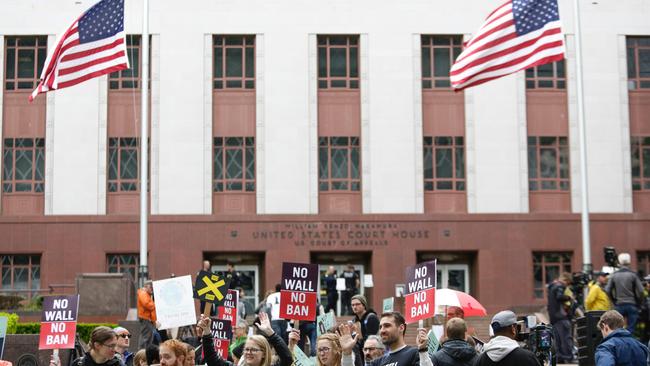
{"points": [[322, 268], [249, 278], [453, 276]]}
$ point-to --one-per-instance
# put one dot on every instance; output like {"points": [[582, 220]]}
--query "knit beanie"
{"points": [[362, 300]]}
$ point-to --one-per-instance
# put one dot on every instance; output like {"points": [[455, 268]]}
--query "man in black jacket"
{"points": [[558, 303], [503, 349], [455, 351], [367, 319]]}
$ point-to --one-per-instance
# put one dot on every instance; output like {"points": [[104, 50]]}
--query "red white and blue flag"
{"points": [[517, 35], [92, 46]]}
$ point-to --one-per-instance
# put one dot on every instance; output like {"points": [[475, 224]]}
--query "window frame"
{"points": [[557, 82], [11, 84], [640, 145], [248, 49], [565, 259], [428, 46], [634, 80], [35, 152], [536, 183], [248, 152], [121, 267], [32, 286], [431, 184], [325, 43], [325, 144]]}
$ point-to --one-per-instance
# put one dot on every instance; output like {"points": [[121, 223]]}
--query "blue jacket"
{"points": [[620, 348]]}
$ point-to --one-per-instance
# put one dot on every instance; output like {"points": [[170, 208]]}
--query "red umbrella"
{"points": [[471, 307]]}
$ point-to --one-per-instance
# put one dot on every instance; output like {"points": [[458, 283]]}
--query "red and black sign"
{"points": [[419, 301], [222, 334], [228, 311], [58, 322], [298, 294]]}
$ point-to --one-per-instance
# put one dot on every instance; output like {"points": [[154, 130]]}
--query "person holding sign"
{"points": [[103, 342], [257, 349], [392, 328]]}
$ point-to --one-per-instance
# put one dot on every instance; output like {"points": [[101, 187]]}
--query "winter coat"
{"points": [[597, 298], [212, 359], [504, 351], [455, 352], [621, 348]]}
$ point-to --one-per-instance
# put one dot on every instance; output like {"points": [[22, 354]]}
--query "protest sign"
{"points": [[367, 280], [433, 344], [298, 296], [300, 358], [174, 302], [210, 288], [419, 301], [58, 322], [324, 323], [388, 305], [222, 334], [228, 311], [3, 334]]}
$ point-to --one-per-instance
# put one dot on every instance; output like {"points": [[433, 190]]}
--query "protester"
{"points": [[559, 316], [334, 349], [373, 349], [257, 351], [455, 351], [279, 325], [618, 347], [146, 315], [626, 292], [308, 331], [330, 289], [153, 355], [140, 358], [173, 353], [239, 336], [122, 348], [392, 328], [597, 298], [102, 344], [352, 283], [207, 267], [365, 317], [503, 349], [190, 355]]}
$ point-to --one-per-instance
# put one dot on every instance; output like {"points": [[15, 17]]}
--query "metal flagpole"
{"points": [[144, 145], [586, 242]]}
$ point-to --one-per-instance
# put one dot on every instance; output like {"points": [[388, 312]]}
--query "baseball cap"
{"points": [[601, 273], [503, 319]]}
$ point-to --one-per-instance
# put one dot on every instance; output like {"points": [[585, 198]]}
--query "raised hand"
{"points": [[294, 338], [265, 324], [347, 342], [205, 325], [422, 340]]}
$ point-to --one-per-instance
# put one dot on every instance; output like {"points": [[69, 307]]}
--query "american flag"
{"points": [[517, 35], [92, 46]]}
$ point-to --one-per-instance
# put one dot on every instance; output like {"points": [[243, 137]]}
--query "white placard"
{"points": [[174, 302], [367, 280], [340, 284]]}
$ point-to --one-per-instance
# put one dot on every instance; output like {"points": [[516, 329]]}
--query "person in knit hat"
{"points": [[368, 322]]}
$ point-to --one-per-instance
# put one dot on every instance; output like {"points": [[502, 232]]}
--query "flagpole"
{"points": [[144, 146], [586, 246]]}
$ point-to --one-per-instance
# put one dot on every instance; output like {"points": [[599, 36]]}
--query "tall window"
{"points": [[123, 164], [548, 163], [234, 62], [338, 62], [338, 166], [643, 260], [23, 165], [129, 78], [25, 56], [234, 164], [21, 272], [547, 76], [438, 54], [444, 163], [548, 266], [640, 148], [123, 263], [638, 63]]}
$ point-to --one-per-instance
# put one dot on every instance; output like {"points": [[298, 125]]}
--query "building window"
{"points": [[638, 63], [338, 62], [25, 56], [338, 163], [129, 78], [640, 148], [21, 272], [438, 54], [547, 76], [23, 165], [123, 164], [444, 163], [547, 267], [548, 163], [234, 62], [643, 260], [123, 263], [234, 164]]}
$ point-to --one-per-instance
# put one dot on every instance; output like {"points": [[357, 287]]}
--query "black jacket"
{"points": [[455, 353], [556, 298], [369, 324], [518, 357], [212, 359], [87, 360]]}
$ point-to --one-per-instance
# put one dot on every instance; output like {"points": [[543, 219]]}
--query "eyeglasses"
{"points": [[125, 336], [109, 346], [369, 349], [324, 350], [252, 350]]}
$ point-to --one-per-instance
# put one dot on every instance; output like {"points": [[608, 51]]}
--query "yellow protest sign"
{"points": [[210, 288]]}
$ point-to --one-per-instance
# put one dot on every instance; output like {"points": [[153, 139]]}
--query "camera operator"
{"points": [[503, 349], [559, 312], [626, 291]]}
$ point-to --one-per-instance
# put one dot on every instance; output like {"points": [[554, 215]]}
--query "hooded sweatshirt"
{"points": [[505, 351], [454, 352]]}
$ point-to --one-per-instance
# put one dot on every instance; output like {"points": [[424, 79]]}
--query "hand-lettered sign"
{"points": [[210, 288], [419, 301], [58, 322], [228, 311], [298, 294], [222, 334]]}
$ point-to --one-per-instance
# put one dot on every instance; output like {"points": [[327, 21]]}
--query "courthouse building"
{"points": [[324, 132]]}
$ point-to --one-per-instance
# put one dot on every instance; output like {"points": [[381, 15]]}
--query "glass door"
{"points": [[339, 268], [453, 276], [249, 280]]}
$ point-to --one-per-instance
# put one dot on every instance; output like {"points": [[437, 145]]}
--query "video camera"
{"points": [[538, 339], [610, 256]]}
